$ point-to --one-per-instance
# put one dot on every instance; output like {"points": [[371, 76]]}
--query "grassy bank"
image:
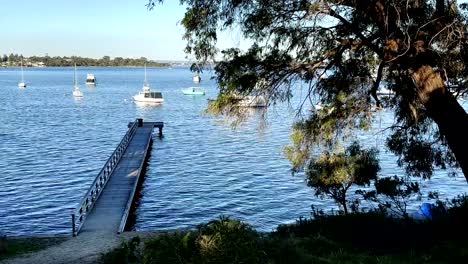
{"points": [[12, 247], [354, 238]]}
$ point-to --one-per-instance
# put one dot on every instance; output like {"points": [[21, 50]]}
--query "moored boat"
{"points": [[76, 91], [385, 92], [90, 79], [253, 101], [22, 83], [193, 91], [146, 95], [196, 78]]}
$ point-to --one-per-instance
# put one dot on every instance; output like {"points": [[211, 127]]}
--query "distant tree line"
{"points": [[106, 61]]}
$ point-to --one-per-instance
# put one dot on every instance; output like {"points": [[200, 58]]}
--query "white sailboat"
{"points": [[77, 92], [146, 95], [22, 84]]}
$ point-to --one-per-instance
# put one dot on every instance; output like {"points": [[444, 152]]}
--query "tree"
{"points": [[418, 47], [333, 174], [397, 192]]}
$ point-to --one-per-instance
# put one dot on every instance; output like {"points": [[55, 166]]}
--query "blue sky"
{"points": [[94, 28]]}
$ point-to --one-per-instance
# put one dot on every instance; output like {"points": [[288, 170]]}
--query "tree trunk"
{"points": [[446, 112], [345, 207]]}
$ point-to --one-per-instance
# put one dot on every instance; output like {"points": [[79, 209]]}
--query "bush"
{"points": [[220, 241], [229, 241], [171, 248], [128, 252], [371, 237]]}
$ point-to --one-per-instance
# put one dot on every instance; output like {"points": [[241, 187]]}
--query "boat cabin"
{"points": [[90, 79], [155, 95]]}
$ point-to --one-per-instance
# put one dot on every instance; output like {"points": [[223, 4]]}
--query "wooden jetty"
{"points": [[107, 204]]}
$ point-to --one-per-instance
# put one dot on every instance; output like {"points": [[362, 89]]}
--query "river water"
{"points": [[53, 145]]}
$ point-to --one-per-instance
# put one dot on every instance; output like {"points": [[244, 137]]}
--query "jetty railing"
{"points": [[93, 193]]}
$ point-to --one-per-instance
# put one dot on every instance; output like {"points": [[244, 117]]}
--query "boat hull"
{"points": [[22, 85], [253, 101], [137, 98], [193, 91], [196, 79], [77, 93]]}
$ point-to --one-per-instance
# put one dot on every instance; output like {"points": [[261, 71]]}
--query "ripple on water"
{"points": [[52, 147]]}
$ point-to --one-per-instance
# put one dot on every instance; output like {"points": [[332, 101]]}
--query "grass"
{"points": [[355, 238], [12, 247]]}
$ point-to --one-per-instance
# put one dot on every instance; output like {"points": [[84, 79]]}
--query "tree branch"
{"points": [[366, 41], [375, 87]]}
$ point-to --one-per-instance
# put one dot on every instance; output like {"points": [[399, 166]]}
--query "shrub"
{"points": [[229, 241], [128, 252], [171, 248]]}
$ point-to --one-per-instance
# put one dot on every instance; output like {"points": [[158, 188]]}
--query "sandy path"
{"points": [[85, 248]]}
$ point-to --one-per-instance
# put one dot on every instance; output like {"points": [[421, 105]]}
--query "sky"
{"points": [[94, 28], [97, 28]]}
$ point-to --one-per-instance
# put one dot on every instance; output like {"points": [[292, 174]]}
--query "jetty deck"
{"points": [[107, 204]]}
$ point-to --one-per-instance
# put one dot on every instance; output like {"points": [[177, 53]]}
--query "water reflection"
{"points": [[91, 87], [79, 100]]}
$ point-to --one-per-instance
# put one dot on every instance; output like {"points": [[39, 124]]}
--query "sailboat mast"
{"points": [[76, 84], [22, 72], [146, 80]]}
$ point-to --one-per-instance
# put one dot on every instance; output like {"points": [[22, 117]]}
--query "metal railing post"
{"points": [[73, 225]]}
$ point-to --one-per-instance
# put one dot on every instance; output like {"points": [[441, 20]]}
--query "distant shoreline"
{"points": [[16, 60], [86, 66]]}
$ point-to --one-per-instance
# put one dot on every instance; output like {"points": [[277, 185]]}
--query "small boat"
{"points": [[76, 91], [385, 92], [22, 84], [90, 79], [193, 91], [196, 78], [253, 101], [146, 95], [318, 107]]}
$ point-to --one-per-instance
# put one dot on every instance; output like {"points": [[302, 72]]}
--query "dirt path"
{"points": [[85, 248]]}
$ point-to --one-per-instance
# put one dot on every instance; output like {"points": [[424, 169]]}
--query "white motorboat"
{"points": [[76, 91], [146, 95], [196, 78], [253, 101], [22, 84], [385, 92], [318, 107], [90, 79]]}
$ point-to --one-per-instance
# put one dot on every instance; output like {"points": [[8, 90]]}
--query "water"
{"points": [[53, 145]]}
